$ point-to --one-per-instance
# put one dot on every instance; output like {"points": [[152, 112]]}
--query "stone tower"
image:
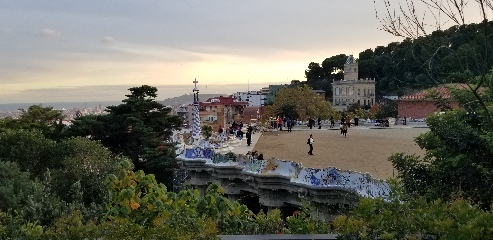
{"points": [[351, 90], [350, 69]]}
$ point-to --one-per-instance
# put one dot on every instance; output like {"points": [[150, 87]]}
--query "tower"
{"points": [[350, 69], [352, 90], [196, 135]]}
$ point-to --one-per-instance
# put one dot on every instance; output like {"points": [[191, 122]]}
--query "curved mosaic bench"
{"points": [[361, 183]]}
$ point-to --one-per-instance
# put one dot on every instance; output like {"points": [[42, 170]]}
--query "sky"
{"points": [[93, 50]]}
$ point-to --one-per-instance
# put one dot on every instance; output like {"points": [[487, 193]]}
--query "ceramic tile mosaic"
{"points": [[330, 177]]}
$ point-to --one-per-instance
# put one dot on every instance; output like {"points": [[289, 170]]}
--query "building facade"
{"points": [[421, 104], [221, 111], [273, 90], [352, 90], [254, 98]]}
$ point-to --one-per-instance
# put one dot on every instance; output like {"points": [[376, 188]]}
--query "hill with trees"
{"points": [[453, 55]]}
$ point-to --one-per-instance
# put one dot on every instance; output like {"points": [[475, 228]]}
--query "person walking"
{"points": [[310, 143], [249, 137], [344, 129], [279, 123]]}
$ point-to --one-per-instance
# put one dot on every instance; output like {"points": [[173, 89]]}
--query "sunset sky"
{"points": [[94, 50]]}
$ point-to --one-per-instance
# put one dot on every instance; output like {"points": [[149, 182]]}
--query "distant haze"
{"points": [[188, 98], [82, 51]]}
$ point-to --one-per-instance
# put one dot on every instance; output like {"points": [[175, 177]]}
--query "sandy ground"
{"points": [[363, 150]]}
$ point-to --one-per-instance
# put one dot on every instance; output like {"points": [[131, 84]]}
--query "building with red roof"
{"points": [[221, 111], [420, 104]]}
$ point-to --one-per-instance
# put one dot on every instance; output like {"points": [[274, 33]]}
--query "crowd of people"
{"points": [[279, 123], [236, 129]]}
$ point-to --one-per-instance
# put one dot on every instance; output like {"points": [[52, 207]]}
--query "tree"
{"points": [[334, 66], [303, 101], [314, 72], [402, 218], [458, 146], [30, 150], [43, 119], [288, 110], [140, 129], [206, 131], [85, 163], [15, 186]]}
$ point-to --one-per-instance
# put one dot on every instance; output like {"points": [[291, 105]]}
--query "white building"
{"points": [[352, 90], [254, 98]]}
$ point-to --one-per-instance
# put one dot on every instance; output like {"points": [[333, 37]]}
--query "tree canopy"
{"points": [[300, 102], [415, 63], [43, 119], [140, 129]]}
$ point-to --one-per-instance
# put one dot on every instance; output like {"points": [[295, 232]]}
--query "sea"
{"points": [[12, 107]]}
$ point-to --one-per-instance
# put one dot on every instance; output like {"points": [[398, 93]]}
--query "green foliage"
{"points": [[386, 110], [305, 102], [457, 161], [305, 221], [207, 131], [414, 218], [135, 196], [42, 119], [15, 186], [288, 110], [13, 226], [85, 163], [415, 64], [139, 129], [44, 179], [138, 198], [29, 149]]}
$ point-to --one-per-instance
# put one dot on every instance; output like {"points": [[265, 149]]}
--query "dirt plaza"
{"points": [[363, 150]]}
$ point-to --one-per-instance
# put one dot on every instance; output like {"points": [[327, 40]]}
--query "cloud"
{"points": [[108, 40], [4, 30], [49, 33]]}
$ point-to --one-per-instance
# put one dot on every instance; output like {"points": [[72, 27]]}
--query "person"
{"points": [[288, 124], [310, 143], [344, 130], [249, 137], [240, 134], [279, 123], [332, 122], [220, 130], [319, 121], [311, 122]]}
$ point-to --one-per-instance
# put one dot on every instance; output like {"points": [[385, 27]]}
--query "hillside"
{"points": [[453, 55], [188, 98]]}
